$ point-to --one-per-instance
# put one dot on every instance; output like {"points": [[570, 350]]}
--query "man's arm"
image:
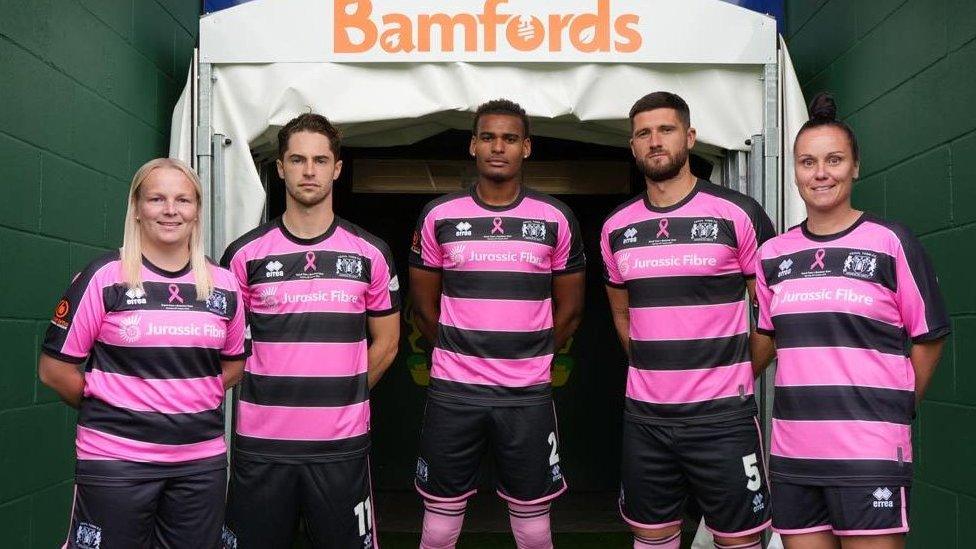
{"points": [[384, 332], [620, 311], [64, 377], [567, 306], [231, 372], [762, 348], [925, 357], [425, 292]]}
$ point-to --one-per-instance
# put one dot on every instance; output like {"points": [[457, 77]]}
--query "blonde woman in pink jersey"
{"points": [[854, 307], [161, 330]]}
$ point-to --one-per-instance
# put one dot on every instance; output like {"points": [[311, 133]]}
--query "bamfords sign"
{"points": [[495, 31], [359, 27]]}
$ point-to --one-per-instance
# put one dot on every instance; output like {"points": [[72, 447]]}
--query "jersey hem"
{"points": [[240, 356], [570, 270], [840, 481], [383, 312], [426, 267], [765, 332], [490, 402], [63, 357], [245, 455], [695, 420], [932, 335]]}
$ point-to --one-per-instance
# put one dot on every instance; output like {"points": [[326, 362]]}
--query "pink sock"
{"points": [[670, 542], [442, 524], [530, 524], [748, 545]]}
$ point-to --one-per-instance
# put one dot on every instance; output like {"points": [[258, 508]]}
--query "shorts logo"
{"points": [[368, 541], [422, 470], [785, 268], [228, 540], [457, 254], [557, 473], [860, 264], [88, 536], [274, 270], [704, 230], [882, 498], [135, 296], [217, 302], [129, 329], [349, 266], [463, 229], [630, 235], [534, 230], [60, 318], [758, 504]]}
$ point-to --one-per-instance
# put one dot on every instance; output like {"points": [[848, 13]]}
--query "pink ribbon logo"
{"points": [[497, 226], [309, 261], [662, 229], [174, 293], [818, 258]]}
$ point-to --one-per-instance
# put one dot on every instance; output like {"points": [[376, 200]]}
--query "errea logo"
{"points": [[274, 270], [630, 235], [785, 268], [135, 296], [758, 504], [882, 498], [463, 229]]}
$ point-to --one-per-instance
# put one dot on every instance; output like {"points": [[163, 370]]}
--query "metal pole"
{"points": [[203, 148]]}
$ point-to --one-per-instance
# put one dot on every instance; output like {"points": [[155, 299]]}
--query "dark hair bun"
{"points": [[823, 108]]}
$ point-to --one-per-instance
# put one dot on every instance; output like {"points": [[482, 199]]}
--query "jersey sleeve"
{"points": [[234, 346], [424, 249], [764, 299], [568, 256], [383, 294], [611, 274], [77, 319], [920, 303], [751, 234], [235, 261]]}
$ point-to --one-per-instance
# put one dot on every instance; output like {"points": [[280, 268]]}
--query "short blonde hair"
{"points": [[131, 252]]}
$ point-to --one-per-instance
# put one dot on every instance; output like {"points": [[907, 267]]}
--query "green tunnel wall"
{"points": [[86, 92], [904, 76]]}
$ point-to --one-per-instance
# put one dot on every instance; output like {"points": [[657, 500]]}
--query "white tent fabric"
{"points": [[383, 104]]}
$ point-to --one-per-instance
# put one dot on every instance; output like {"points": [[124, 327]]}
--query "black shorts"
{"points": [[524, 442], [266, 501], [175, 512], [844, 510], [721, 466]]}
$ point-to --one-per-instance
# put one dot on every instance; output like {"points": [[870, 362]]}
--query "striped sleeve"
{"points": [[234, 346], [424, 249], [611, 274], [77, 318], [920, 303], [751, 234], [764, 298], [568, 256], [383, 294]]}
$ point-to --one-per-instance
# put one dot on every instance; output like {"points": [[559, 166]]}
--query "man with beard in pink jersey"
{"points": [[314, 285], [497, 282], [678, 260]]}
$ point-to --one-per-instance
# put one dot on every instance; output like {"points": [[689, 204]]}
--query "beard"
{"points": [[670, 170]]}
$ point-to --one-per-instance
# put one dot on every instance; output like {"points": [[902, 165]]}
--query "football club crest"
{"points": [[534, 230], [349, 266], [704, 230], [860, 264], [217, 302]]}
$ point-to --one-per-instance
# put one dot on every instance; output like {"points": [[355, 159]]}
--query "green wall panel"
{"points": [[86, 96], [907, 86]]}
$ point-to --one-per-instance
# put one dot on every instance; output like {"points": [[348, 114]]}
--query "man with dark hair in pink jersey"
{"points": [[315, 285], [678, 260], [497, 283]]}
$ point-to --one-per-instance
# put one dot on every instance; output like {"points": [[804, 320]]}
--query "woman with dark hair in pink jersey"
{"points": [[859, 323]]}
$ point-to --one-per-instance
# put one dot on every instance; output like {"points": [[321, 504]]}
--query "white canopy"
{"points": [[273, 59]]}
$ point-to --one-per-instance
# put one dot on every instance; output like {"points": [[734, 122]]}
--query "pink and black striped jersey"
{"points": [[843, 309], [495, 333], [305, 395], [153, 390], [685, 268]]}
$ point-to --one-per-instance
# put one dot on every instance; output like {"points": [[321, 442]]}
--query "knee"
{"points": [[442, 525], [656, 533], [530, 526]]}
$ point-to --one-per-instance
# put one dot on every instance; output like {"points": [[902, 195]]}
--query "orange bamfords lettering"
{"points": [[357, 31]]}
